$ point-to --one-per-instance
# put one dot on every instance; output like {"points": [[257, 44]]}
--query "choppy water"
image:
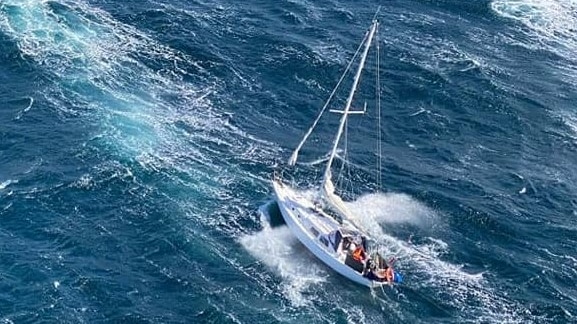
{"points": [[138, 139]]}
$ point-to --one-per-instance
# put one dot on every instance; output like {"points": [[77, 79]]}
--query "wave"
{"points": [[423, 261], [551, 23]]}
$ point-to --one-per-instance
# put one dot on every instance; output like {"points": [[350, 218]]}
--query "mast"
{"points": [[327, 175]]}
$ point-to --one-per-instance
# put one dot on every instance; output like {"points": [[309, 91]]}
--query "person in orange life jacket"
{"points": [[384, 272], [359, 254], [389, 271]]}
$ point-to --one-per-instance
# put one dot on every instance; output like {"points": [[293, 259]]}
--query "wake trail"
{"points": [[154, 104]]}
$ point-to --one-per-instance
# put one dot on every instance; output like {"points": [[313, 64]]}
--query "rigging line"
{"points": [[379, 131], [293, 158], [377, 13]]}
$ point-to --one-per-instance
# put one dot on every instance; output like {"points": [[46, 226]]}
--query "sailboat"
{"points": [[323, 223]]}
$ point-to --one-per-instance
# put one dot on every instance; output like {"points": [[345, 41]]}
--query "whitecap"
{"points": [[6, 183], [551, 23]]}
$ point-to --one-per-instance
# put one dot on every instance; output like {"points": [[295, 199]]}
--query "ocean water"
{"points": [[138, 140]]}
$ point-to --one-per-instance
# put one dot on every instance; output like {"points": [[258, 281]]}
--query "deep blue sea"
{"points": [[138, 139]]}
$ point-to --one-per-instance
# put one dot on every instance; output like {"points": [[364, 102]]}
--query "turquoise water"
{"points": [[138, 140]]}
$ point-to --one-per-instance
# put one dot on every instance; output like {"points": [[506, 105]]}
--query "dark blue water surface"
{"points": [[138, 140]]}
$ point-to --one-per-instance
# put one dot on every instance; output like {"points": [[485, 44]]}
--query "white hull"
{"points": [[312, 228]]}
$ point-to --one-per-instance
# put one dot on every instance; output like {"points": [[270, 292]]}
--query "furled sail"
{"points": [[335, 202]]}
